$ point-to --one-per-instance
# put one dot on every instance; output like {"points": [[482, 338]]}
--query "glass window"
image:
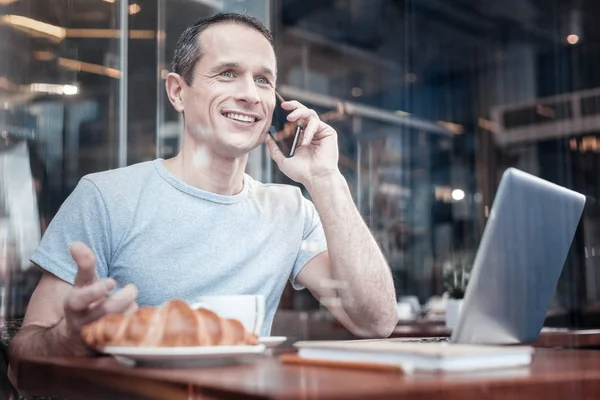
{"points": [[440, 98], [59, 103], [432, 101]]}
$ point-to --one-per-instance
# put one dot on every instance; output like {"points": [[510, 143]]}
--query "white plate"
{"points": [[272, 341], [183, 356]]}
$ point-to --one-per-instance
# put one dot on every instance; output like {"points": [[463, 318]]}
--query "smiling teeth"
{"points": [[240, 117]]}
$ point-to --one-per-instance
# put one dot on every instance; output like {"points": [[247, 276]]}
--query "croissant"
{"points": [[172, 324]]}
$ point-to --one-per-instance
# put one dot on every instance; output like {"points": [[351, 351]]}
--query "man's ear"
{"points": [[174, 85]]}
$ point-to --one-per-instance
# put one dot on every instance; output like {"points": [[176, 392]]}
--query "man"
{"points": [[196, 224]]}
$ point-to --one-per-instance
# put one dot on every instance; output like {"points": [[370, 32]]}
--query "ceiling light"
{"points": [[89, 67], [28, 24], [134, 9], [572, 39], [51, 88], [82, 33], [457, 129], [458, 194], [70, 90]]}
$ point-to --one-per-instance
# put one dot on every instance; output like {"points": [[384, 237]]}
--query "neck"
{"points": [[197, 166]]}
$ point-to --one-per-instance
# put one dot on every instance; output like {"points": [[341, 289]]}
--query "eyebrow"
{"points": [[234, 65]]}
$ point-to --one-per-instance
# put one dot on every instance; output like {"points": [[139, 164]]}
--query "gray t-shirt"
{"points": [[173, 240]]}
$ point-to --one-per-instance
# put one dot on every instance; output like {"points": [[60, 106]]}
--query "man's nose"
{"points": [[247, 91]]}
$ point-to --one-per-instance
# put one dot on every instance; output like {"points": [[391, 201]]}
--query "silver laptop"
{"points": [[523, 249]]}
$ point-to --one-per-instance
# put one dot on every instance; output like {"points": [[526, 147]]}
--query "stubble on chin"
{"points": [[208, 141]]}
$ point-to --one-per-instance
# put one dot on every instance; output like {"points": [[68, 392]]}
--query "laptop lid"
{"points": [[524, 246]]}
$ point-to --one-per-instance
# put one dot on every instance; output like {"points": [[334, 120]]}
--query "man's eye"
{"points": [[227, 74], [262, 80]]}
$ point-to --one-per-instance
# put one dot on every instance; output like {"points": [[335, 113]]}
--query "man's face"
{"points": [[230, 102]]}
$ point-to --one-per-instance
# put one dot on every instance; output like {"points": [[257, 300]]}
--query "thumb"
{"points": [[274, 151], [86, 264]]}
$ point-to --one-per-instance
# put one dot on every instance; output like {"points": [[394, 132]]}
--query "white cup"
{"points": [[404, 310], [249, 309]]}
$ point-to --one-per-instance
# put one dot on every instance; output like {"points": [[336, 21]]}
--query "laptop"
{"points": [[524, 246]]}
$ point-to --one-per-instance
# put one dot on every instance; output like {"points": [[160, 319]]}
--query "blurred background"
{"points": [[432, 101]]}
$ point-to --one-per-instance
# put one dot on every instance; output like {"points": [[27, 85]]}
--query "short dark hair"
{"points": [[188, 51]]}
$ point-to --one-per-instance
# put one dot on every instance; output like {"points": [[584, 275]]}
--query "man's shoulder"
{"points": [[281, 198], [277, 190], [119, 178]]}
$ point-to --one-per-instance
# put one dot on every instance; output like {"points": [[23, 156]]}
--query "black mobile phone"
{"points": [[285, 133]]}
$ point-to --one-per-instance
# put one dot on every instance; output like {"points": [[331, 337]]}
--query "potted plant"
{"points": [[456, 272]]}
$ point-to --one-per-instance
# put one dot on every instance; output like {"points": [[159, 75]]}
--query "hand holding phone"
{"points": [[302, 146], [285, 134]]}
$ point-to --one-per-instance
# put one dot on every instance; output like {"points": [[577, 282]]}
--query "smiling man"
{"points": [[196, 224]]}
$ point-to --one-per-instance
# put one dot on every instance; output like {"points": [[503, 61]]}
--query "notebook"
{"points": [[417, 356]]}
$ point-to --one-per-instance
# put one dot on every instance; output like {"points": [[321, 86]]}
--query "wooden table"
{"points": [[416, 331], [553, 374], [569, 338]]}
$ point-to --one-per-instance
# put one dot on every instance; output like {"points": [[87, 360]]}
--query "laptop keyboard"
{"points": [[426, 340]]}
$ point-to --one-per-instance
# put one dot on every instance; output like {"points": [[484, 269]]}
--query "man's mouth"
{"points": [[240, 117]]}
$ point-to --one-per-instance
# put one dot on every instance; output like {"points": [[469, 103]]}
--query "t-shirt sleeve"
{"points": [[82, 217], [313, 241]]}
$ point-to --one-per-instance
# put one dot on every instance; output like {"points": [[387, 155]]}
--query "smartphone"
{"points": [[285, 133]]}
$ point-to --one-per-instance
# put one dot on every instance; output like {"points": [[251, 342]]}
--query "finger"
{"points": [[82, 298], [118, 303], [292, 105], [133, 308], [297, 114], [302, 115], [310, 131], [86, 264], [121, 301], [309, 119], [274, 151]]}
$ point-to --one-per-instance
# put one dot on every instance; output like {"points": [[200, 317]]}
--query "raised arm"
{"points": [[58, 310], [363, 297]]}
